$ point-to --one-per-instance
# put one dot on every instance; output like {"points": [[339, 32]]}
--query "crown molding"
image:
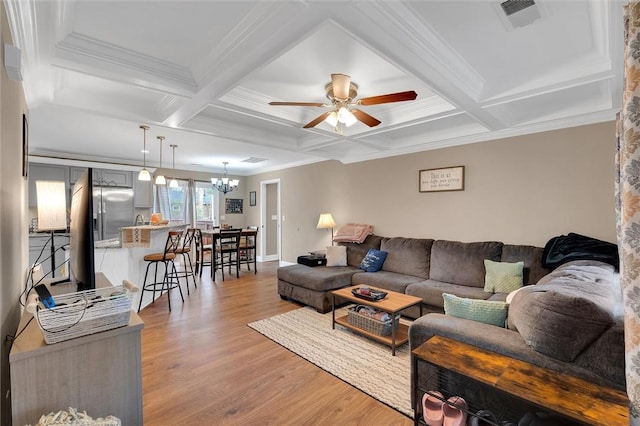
{"points": [[85, 54]]}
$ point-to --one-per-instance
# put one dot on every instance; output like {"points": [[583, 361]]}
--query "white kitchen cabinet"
{"points": [[142, 194], [103, 177]]}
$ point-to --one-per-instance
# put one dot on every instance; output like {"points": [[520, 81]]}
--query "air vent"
{"points": [[520, 12], [512, 6], [254, 160]]}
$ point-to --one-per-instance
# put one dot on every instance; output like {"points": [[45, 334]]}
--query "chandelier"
{"points": [[225, 184]]}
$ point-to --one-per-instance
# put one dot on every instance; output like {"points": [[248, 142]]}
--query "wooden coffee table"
{"points": [[392, 304]]}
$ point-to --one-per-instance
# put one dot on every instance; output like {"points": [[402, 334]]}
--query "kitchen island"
{"points": [[126, 260]]}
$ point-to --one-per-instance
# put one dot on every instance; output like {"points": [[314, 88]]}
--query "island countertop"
{"points": [[153, 227]]}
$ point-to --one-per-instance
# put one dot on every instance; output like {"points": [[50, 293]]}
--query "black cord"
{"points": [[15, 336]]}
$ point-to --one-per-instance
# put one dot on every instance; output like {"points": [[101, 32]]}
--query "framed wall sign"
{"points": [[444, 179], [233, 205], [252, 198]]}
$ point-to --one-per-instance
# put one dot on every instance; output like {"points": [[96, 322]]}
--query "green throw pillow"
{"points": [[489, 312], [502, 277]]}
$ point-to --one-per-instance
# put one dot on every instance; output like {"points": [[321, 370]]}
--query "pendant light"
{"points": [[173, 183], [160, 180], [144, 173]]}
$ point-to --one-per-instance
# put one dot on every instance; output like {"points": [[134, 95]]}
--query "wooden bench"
{"points": [[569, 396]]}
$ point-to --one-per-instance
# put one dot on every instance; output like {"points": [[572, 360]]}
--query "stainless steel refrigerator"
{"points": [[112, 209]]}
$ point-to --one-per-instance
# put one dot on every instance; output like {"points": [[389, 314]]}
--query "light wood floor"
{"points": [[202, 365]]}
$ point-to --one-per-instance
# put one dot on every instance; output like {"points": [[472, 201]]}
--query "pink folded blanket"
{"points": [[353, 233]]}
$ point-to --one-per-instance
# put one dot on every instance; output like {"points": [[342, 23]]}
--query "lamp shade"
{"points": [[52, 205], [326, 221], [144, 175]]}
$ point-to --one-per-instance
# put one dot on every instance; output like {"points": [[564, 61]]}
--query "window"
{"points": [[206, 205], [171, 202]]}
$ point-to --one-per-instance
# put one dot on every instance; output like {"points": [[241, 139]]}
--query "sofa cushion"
{"points": [[373, 261], [336, 256], [356, 252], [494, 313], [562, 317], [387, 280], [462, 263], [532, 258], [409, 256], [502, 277], [319, 278], [431, 291]]}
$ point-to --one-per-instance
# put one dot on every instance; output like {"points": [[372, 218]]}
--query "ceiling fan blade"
{"points": [[391, 97], [365, 118], [313, 104], [340, 84], [319, 119]]}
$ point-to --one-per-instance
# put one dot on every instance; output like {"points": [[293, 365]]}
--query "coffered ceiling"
{"points": [[202, 74]]}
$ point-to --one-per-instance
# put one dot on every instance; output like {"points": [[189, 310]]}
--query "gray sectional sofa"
{"points": [[424, 268], [568, 320]]}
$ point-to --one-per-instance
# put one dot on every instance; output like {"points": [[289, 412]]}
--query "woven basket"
{"points": [[371, 325], [85, 312]]}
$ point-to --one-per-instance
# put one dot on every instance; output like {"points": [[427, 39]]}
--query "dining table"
{"points": [[214, 234]]}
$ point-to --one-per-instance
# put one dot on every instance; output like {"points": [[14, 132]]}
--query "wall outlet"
{"points": [[274, 217]]}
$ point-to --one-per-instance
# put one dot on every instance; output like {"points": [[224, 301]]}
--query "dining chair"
{"points": [[248, 248], [227, 251]]}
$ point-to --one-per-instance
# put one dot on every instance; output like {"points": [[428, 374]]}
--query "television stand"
{"points": [[99, 373]]}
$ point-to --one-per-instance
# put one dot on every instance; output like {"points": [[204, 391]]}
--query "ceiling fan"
{"points": [[341, 91]]}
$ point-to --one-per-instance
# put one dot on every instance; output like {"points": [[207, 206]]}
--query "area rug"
{"points": [[360, 362]]}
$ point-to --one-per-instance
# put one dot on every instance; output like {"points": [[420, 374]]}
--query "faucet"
{"points": [[139, 220]]}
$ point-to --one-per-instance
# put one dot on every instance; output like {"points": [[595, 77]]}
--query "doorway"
{"points": [[270, 220]]}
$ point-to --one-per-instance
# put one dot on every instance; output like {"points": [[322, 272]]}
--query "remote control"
{"points": [[45, 296]]}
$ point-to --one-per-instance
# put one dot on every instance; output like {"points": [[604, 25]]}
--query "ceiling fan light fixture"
{"points": [[332, 119], [346, 117]]}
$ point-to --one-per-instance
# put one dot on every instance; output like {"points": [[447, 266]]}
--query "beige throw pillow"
{"points": [[336, 256]]}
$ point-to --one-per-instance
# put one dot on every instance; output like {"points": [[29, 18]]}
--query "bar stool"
{"points": [[248, 248], [201, 250], [166, 257], [184, 250]]}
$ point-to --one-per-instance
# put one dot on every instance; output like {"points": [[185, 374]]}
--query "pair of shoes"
{"points": [[438, 412], [481, 416]]}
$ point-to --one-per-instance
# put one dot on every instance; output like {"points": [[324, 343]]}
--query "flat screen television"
{"points": [[81, 243]]}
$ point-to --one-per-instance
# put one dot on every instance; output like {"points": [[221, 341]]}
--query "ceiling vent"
{"points": [[254, 160], [520, 12]]}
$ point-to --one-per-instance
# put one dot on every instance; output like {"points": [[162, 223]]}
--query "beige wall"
{"points": [[13, 214], [521, 190]]}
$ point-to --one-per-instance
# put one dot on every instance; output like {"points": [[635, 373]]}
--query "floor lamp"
{"points": [[325, 222], [52, 211]]}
